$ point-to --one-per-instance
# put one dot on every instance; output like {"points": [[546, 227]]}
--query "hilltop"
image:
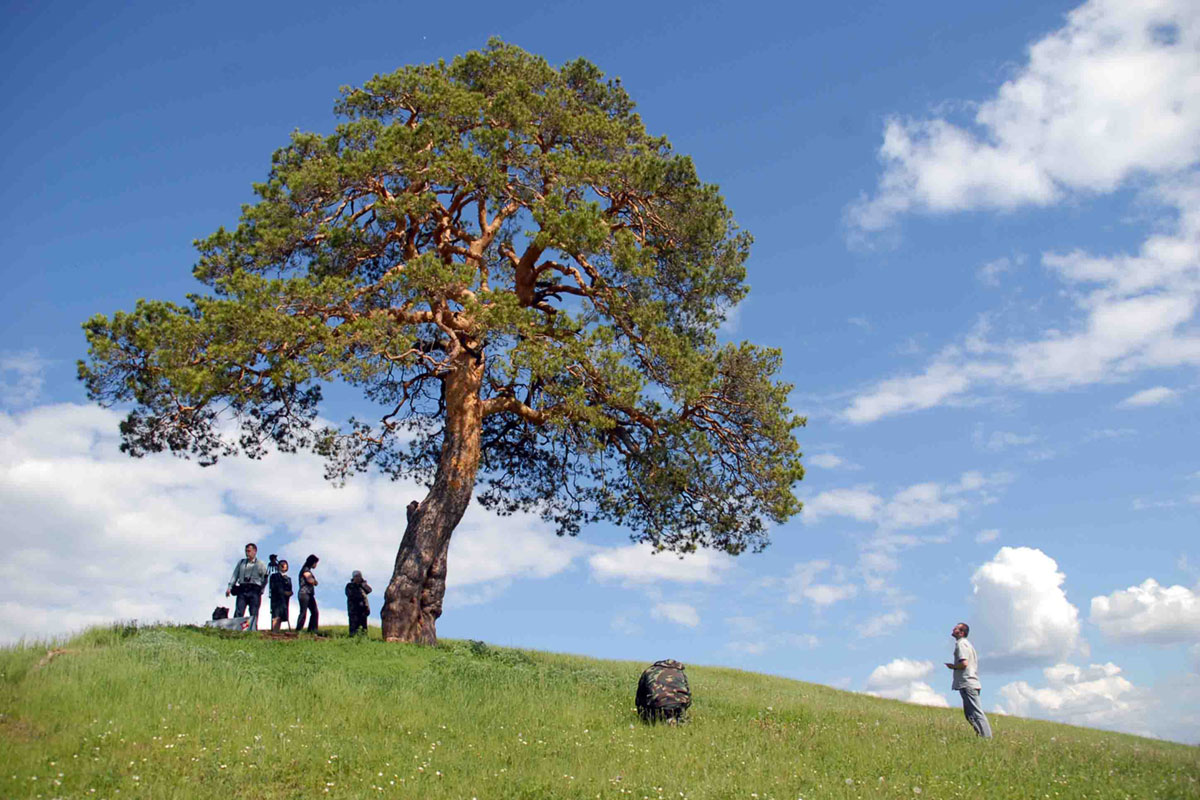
{"points": [[170, 712]]}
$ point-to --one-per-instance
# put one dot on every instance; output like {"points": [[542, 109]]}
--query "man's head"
{"points": [[251, 550], [283, 566], [961, 630], [356, 576]]}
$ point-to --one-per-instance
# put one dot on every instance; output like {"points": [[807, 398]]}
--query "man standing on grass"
{"points": [[966, 680], [248, 581]]}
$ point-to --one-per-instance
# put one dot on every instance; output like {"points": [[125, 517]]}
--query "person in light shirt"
{"points": [[248, 581], [966, 680]]}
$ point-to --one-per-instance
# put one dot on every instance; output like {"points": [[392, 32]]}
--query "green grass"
{"points": [[185, 712]]}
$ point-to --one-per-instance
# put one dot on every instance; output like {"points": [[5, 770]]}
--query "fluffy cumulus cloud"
{"points": [[1096, 696], [1111, 98], [1099, 695], [1021, 614], [92, 535], [1149, 613], [901, 679]]}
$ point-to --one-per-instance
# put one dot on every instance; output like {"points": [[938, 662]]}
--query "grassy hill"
{"points": [[183, 712]]}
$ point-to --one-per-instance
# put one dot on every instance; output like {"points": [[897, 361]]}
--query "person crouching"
{"points": [[358, 608]]}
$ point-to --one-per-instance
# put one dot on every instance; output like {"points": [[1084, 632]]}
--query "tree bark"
{"points": [[413, 600]]}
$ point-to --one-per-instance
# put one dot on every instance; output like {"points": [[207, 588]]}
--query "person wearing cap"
{"points": [[357, 606]]}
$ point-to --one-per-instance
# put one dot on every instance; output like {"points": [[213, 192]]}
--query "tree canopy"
{"points": [[494, 251]]}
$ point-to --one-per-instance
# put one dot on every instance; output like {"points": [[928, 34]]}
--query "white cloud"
{"points": [[21, 377], [999, 441], [989, 274], [1101, 103], [755, 641], [96, 512], [860, 504], [900, 679], [1097, 696], [918, 506], [639, 563], [679, 613], [1149, 613], [899, 670], [1104, 434], [990, 535], [884, 623], [1021, 614], [1101, 696], [938, 384], [830, 461], [748, 648], [801, 585], [1149, 397]]}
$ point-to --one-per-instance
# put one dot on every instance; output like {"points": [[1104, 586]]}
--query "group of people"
{"points": [[663, 694], [251, 578]]}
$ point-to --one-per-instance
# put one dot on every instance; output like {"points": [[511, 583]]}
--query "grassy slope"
{"points": [[177, 712]]}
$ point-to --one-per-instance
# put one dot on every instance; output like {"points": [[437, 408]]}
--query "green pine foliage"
{"points": [[190, 713], [497, 211]]}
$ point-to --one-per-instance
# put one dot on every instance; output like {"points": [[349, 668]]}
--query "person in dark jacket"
{"points": [[662, 693], [358, 608], [281, 593], [307, 595]]}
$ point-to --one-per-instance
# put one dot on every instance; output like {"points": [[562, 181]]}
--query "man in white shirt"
{"points": [[966, 680]]}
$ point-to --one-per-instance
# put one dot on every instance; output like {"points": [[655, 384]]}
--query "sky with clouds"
{"points": [[977, 242]]}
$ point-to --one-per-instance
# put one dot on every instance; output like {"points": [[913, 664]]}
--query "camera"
{"points": [[272, 560]]}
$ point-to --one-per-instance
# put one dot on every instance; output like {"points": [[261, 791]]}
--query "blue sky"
{"points": [[977, 243]]}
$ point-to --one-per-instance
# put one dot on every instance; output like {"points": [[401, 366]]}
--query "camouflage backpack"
{"points": [[663, 686]]}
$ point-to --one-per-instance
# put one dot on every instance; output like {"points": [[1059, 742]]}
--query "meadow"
{"points": [[179, 712]]}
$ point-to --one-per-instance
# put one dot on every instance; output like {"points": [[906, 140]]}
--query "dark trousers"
{"points": [[249, 599], [358, 620], [668, 714], [308, 605]]}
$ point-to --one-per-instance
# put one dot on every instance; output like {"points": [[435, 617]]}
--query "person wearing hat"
{"points": [[357, 606]]}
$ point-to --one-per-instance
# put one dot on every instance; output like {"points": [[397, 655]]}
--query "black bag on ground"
{"points": [[221, 612]]}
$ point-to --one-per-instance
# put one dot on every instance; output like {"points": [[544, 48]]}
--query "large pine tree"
{"points": [[526, 283]]}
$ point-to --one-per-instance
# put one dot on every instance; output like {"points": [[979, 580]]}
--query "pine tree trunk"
{"points": [[413, 600]]}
